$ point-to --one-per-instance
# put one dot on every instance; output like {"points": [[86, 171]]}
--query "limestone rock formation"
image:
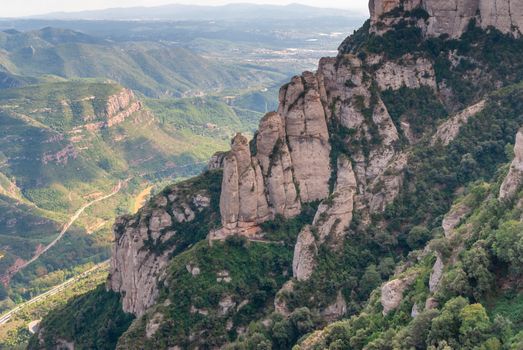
{"points": [[392, 292], [216, 161], [118, 108], [436, 274], [451, 16], [514, 179], [291, 165], [411, 72], [335, 214], [280, 304], [453, 218], [304, 255], [331, 221], [449, 130], [450, 221], [336, 309], [242, 203], [135, 269]]}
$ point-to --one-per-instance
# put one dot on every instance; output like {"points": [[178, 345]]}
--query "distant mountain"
{"points": [[192, 12], [155, 69]]}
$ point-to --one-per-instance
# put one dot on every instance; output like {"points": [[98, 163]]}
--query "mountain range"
{"points": [[378, 207], [237, 11]]}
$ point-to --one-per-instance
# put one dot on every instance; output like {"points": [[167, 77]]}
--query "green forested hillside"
{"points": [[52, 164]]}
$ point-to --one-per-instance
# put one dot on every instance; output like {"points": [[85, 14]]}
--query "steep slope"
{"points": [[352, 176]]}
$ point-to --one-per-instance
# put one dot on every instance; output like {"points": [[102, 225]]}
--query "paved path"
{"points": [[6, 317]]}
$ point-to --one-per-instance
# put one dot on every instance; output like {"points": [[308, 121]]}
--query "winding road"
{"points": [[10, 274]]}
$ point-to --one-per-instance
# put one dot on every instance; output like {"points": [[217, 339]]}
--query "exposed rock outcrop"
{"points": [[280, 304], [291, 165], [450, 221], [451, 16], [216, 161], [334, 214], [118, 108], [514, 179], [436, 274], [304, 255], [336, 310], [411, 72], [453, 218], [392, 292], [135, 268], [331, 221], [449, 130]]}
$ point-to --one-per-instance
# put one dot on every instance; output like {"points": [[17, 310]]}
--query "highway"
{"points": [[6, 317]]}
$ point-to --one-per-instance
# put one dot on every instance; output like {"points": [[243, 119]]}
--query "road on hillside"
{"points": [[5, 318], [66, 227]]}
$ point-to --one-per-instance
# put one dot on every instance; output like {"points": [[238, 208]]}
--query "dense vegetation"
{"points": [[97, 324], [15, 333]]}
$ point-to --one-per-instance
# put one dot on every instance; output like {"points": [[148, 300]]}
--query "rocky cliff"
{"points": [[450, 17], [117, 109], [145, 243]]}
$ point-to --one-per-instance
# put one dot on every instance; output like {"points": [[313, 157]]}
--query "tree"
{"points": [[386, 267], [476, 262], [446, 327], [370, 280], [302, 321], [3, 292], [454, 283], [508, 242], [475, 325], [417, 237]]}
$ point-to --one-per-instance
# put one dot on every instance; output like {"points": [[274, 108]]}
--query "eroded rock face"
{"points": [[449, 130], [291, 165], [453, 16], [330, 223], [135, 269], [118, 108], [334, 215], [304, 255], [216, 161], [392, 292], [436, 274], [412, 73], [307, 135], [243, 203], [514, 179], [336, 310]]}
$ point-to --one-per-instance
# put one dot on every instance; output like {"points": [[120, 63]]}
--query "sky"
{"points": [[20, 8]]}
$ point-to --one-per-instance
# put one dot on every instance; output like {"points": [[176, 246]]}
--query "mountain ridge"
{"points": [[348, 204], [236, 11]]}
